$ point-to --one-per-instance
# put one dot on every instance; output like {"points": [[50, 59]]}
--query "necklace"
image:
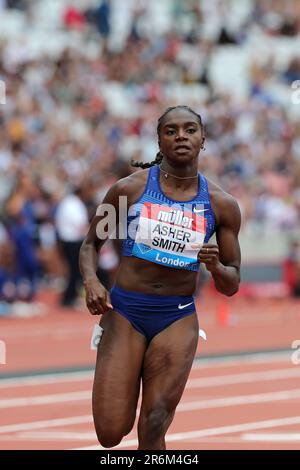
{"points": [[178, 177]]}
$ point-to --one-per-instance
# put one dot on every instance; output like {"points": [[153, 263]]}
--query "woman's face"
{"points": [[180, 137]]}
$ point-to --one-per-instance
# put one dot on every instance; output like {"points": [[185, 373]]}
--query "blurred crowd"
{"points": [[72, 121]]}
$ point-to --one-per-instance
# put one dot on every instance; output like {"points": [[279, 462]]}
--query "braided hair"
{"points": [[157, 161], [159, 155]]}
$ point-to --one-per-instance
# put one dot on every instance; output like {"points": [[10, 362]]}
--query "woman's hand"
{"points": [[209, 255], [97, 297]]}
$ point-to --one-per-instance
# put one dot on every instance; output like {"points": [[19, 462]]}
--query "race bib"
{"points": [[165, 235]]}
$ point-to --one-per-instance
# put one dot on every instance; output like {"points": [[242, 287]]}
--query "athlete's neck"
{"points": [[181, 173], [174, 182]]}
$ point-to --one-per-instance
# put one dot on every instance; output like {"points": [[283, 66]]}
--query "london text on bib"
{"points": [[165, 235]]}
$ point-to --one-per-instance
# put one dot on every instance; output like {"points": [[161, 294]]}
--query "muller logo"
{"points": [[176, 217]]}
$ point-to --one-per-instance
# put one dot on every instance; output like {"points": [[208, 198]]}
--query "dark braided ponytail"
{"points": [[159, 155], [157, 161]]}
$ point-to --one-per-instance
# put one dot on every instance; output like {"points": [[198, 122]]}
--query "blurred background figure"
{"points": [[71, 220], [102, 18], [7, 268], [292, 268], [22, 227]]}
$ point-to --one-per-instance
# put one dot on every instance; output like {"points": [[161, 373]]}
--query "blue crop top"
{"points": [[162, 230]]}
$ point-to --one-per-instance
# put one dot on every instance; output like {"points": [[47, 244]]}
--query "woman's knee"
{"points": [[108, 440], [110, 434], [156, 420]]}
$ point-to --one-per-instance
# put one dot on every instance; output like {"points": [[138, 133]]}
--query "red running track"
{"points": [[62, 337], [253, 403], [249, 403]]}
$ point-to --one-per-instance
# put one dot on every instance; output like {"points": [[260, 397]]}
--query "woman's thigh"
{"points": [[118, 371], [167, 364]]}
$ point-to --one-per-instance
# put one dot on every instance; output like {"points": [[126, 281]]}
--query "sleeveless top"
{"points": [[162, 230]]}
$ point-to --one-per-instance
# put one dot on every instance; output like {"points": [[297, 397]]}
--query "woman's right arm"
{"points": [[97, 297]]}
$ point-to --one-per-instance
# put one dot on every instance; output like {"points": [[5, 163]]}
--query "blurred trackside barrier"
{"points": [[2, 352], [2, 92]]}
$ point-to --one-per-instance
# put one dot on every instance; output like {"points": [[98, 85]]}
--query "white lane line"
{"points": [[189, 406], [91, 436], [201, 364], [240, 400], [56, 436], [275, 437], [47, 379], [48, 423], [192, 405], [246, 377], [46, 399], [283, 357], [218, 380], [183, 436]]}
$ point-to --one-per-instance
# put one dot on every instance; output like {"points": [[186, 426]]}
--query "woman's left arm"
{"points": [[223, 260]]}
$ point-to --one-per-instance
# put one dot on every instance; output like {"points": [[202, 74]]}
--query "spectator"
{"points": [[71, 221]]}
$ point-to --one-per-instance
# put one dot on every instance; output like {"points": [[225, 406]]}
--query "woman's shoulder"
{"points": [[134, 178], [133, 181], [131, 186], [216, 192], [222, 202]]}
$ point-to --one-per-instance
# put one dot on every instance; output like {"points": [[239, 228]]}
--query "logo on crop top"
{"points": [[199, 211]]}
